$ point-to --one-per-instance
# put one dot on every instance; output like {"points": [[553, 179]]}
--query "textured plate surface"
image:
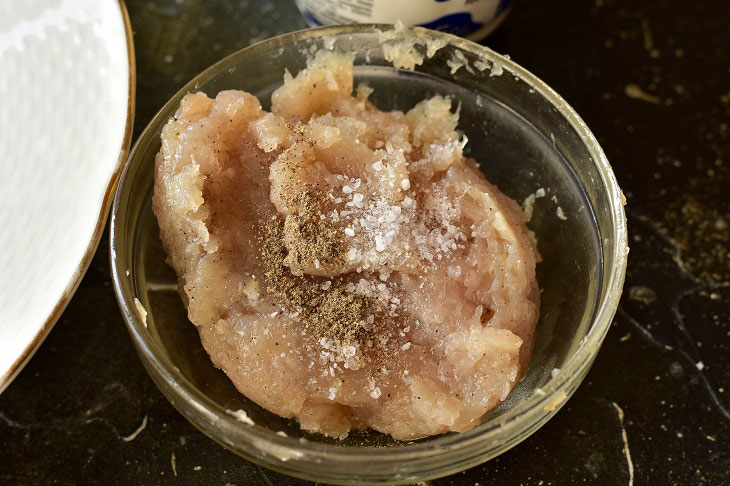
{"points": [[66, 82]]}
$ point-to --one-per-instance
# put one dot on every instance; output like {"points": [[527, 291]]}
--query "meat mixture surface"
{"points": [[344, 265]]}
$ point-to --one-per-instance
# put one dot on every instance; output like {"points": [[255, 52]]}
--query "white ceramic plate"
{"points": [[66, 110]]}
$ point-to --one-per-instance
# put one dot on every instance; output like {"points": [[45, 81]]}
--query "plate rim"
{"points": [[12, 372]]}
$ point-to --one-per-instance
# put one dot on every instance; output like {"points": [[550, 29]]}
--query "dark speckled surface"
{"points": [[652, 81]]}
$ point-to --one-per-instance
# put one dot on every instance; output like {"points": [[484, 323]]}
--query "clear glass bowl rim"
{"points": [[516, 421]]}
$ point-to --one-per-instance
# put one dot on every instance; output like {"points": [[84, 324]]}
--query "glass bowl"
{"points": [[526, 138]]}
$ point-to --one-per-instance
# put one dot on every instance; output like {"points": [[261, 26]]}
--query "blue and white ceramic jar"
{"points": [[473, 19]]}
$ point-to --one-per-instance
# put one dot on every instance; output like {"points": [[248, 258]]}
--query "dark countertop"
{"points": [[650, 78]]}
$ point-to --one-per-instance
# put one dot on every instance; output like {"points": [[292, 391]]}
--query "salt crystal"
{"points": [[405, 184], [405, 346], [357, 200], [376, 393], [349, 232], [347, 189], [379, 244]]}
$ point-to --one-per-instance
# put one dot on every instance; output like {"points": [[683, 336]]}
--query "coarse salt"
{"points": [[379, 244]]}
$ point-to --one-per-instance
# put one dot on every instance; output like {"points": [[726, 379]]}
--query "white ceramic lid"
{"points": [[67, 88]]}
